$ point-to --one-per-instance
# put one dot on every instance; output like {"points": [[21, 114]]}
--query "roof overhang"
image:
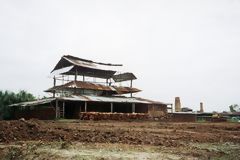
{"points": [[34, 103], [89, 98], [92, 86]]}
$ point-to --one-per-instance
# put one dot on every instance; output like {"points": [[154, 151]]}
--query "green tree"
{"points": [[7, 98], [234, 108]]}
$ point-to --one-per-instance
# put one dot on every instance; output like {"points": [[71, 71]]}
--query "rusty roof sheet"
{"points": [[88, 85], [124, 77], [34, 103], [94, 86], [116, 99], [86, 67], [153, 102], [126, 90], [89, 98]]}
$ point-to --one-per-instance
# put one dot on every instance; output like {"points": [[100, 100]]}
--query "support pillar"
{"points": [[110, 82], [76, 73], [75, 80], [85, 107], [54, 84], [80, 112], [107, 82], [133, 107], [63, 109], [131, 87], [111, 107], [57, 110]]}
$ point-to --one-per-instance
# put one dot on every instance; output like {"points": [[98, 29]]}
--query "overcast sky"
{"points": [[189, 49]]}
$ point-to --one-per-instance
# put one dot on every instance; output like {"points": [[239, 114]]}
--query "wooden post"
{"points": [[133, 107], [75, 80], [63, 109], [54, 84], [131, 86], [85, 107], [107, 82], [76, 73], [80, 112], [111, 107], [57, 109], [110, 82]]}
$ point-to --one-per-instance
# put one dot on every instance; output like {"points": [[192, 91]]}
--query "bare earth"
{"points": [[64, 139]]}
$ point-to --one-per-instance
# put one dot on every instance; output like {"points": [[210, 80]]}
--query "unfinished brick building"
{"points": [[90, 87]]}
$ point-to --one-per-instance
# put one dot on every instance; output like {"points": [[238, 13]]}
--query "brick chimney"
{"points": [[177, 104], [201, 107]]}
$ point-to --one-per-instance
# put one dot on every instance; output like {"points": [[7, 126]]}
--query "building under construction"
{"points": [[83, 86]]}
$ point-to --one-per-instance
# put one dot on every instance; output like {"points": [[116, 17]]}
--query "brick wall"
{"points": [[43, 113]]}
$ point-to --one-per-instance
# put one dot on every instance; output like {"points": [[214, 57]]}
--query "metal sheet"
{"points": [[104, 99], [124, 77], [86, 67], [34, 103], [88, 98], [94, 86]]}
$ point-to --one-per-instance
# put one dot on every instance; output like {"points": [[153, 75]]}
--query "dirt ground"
{"points": [[35, 139]]}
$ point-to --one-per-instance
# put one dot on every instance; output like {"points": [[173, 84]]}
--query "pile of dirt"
{"points": [[113, 116], [37, 130], [150, 133], [19, 130]]}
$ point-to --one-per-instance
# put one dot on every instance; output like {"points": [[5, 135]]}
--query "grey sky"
{"points": [[176, 48]]}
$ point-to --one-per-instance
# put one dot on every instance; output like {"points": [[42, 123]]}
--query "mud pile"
{"points": [[150, 133]]}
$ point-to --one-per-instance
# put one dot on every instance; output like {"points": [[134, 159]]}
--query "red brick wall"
{"points": [[176, 117], [46, 113]]}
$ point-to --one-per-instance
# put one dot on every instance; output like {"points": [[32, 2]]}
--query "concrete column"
{"points": [[85, 107], [111, 107], [177, 104], [133, 107]]}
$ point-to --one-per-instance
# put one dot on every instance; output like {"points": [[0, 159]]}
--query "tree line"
{"points": [[7, 98]]}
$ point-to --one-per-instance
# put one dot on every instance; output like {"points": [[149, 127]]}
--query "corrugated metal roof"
{"points": [[94, 86], [124, 77], [103, 99], [85, 67], [126, 90], [34, 103], [88, 98]]}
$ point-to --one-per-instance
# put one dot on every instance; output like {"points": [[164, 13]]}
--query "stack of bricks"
{"points": [[113, 116]]}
